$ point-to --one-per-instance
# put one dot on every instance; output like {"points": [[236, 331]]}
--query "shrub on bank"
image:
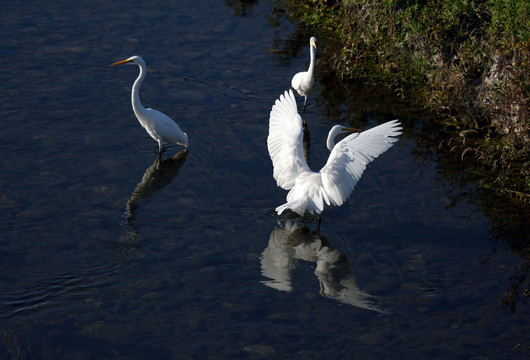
{"points": [[467, 60]]}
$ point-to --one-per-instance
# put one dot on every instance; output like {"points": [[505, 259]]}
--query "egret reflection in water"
{"points": [[157, 176], [291, 243]]}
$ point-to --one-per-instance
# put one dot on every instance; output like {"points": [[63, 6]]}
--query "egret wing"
{"points": [[297, 79], [285, 141], [350, 156], [165, 127]]}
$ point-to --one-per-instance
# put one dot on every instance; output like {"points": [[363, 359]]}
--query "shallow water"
{"points": [[104, 256]]}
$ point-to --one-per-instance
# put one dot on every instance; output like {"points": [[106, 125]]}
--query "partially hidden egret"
{"points": [[303, 81], [333, 184], [158, 125]]}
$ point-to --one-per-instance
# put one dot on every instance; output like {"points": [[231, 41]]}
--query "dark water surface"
{"points": [[103, 256]]}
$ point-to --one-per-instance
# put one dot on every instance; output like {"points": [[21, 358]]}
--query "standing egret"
{"points": [[309, 190], [303, 81], [161, 127]]}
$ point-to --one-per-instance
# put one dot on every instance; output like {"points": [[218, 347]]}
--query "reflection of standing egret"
{"points": [[159, 126], [291, 243], [157, 176], [333, 184]]}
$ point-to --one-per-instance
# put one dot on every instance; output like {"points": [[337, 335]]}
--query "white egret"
{"points": [[303, 81], [309, 190], [158, 125]]}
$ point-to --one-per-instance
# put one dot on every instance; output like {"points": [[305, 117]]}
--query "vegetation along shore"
{"points": [[465, 62]]}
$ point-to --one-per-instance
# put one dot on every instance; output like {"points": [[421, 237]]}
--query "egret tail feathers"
{"points": [[299, 206]]}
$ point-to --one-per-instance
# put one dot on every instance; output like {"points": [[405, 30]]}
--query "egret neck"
{"points": [[137, 106]]}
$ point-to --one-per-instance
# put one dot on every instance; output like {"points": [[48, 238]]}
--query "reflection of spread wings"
{"points": [[291, 243], [278, 260]]}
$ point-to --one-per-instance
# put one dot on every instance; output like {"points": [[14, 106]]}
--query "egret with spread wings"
{"points": [[332, 185]]}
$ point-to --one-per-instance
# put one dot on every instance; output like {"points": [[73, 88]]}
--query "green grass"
{"points": [[466, 61]]}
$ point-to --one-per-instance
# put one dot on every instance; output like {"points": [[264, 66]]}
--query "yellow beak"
{"points": [[352, 130], [121, 62]]}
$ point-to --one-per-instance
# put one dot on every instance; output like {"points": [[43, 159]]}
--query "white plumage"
{"points": [[302, 82], [158, 125], [309, 190]]}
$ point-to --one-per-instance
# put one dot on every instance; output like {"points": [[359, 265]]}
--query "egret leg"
{"points": [[160, 150], [304, 121], [306, 144]]}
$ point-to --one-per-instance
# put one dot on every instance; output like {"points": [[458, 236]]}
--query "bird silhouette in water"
{"points": [[157, 176]]}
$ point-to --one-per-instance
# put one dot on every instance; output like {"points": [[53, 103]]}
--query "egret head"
{"points": [[313, 42], [336, 130], [132, 60]]}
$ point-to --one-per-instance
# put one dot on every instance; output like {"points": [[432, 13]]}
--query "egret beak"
{"points": [[314, 44], [352, 130], [122, 62]]}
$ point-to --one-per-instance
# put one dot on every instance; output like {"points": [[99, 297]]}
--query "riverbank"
{"points": [[464, 62]]}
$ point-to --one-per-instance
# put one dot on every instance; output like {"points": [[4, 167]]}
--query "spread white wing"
{"points": [[285, 141], [349, 158]]}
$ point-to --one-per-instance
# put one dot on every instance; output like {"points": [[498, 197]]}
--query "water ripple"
{"points": [[50, 288]]}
